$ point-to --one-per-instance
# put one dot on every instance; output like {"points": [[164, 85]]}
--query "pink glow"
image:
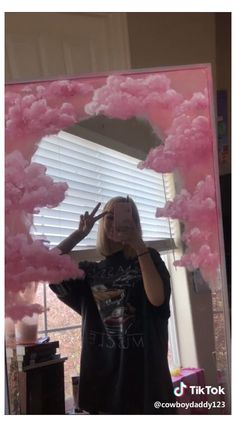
{"points": [[197, 211], [37, 110], [199, 207], [124, 97], [206, 260], [28, 187], [33, 262], [188, 141], [18, 311]]}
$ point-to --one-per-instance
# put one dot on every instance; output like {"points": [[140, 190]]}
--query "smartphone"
{"points": [[123, 218]]}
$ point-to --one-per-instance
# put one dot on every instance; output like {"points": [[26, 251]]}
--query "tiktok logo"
{"points": [[179, 391]]}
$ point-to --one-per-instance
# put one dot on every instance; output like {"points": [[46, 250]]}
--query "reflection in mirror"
{"points": [[149, 136]]}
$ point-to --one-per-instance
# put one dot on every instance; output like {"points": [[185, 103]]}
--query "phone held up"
{"points": [[122, 217]]}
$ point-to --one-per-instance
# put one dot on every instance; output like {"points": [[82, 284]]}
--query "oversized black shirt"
{"points": [[124, 368]]}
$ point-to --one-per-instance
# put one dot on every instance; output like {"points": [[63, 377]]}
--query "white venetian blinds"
{"points": [[95, 174]]}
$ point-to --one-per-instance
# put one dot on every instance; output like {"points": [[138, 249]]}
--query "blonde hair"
{"points": [[105, 245]]}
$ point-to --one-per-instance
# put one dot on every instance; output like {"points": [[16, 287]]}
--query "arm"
{"points": [[152, 281], [70, 242], [86, 224]]}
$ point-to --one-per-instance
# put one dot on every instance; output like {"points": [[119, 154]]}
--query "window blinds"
{"points": [[95, 173]]}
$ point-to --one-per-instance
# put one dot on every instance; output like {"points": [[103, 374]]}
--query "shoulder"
{"points": [[155, 254], [156, 257], [163, 310], [153, 251], [91, 267], [87, 266]]}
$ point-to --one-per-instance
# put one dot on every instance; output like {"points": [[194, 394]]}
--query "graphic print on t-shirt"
{"points": [[112, 294]]}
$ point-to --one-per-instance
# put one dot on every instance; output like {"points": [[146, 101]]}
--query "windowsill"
{"points": [[188, 373]]}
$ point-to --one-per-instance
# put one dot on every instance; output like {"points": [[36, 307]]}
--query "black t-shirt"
{"points": [[124, 368]]}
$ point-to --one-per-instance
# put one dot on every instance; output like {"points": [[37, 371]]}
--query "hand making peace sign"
{"points": [[87, 220]]}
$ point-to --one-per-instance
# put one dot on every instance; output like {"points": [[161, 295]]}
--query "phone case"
{"points": [[122, 216]]}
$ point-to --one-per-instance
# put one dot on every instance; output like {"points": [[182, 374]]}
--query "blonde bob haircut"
{"points": [[104, 244]]}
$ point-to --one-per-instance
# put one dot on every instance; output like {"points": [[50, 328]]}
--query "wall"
{"points": [[159, 39], [223, 67], [42, 45]]}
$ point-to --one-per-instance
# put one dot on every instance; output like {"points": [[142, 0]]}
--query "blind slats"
{"points": [[97, 157], [148, 220], [97, 171], [84, 183]]}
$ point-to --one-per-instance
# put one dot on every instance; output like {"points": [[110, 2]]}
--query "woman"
{"points": [[124, 303]]}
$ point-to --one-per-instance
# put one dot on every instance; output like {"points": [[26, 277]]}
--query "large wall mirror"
{"points": [[150, 134]]}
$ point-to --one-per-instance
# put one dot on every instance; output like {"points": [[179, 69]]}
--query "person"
{"points": [[124, 304]]}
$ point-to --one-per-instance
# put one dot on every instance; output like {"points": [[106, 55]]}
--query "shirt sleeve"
{"points": [[73, 292], [164, 309]]}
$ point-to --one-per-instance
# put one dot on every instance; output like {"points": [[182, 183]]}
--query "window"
{"points": [[94, 174]]}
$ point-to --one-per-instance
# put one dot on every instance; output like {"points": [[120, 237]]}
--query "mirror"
{"points": [[154, 122]]}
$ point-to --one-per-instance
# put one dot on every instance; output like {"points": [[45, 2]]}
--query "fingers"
{"points": [[125, 236], [90, 217], [95, 209], [96, 218]]}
